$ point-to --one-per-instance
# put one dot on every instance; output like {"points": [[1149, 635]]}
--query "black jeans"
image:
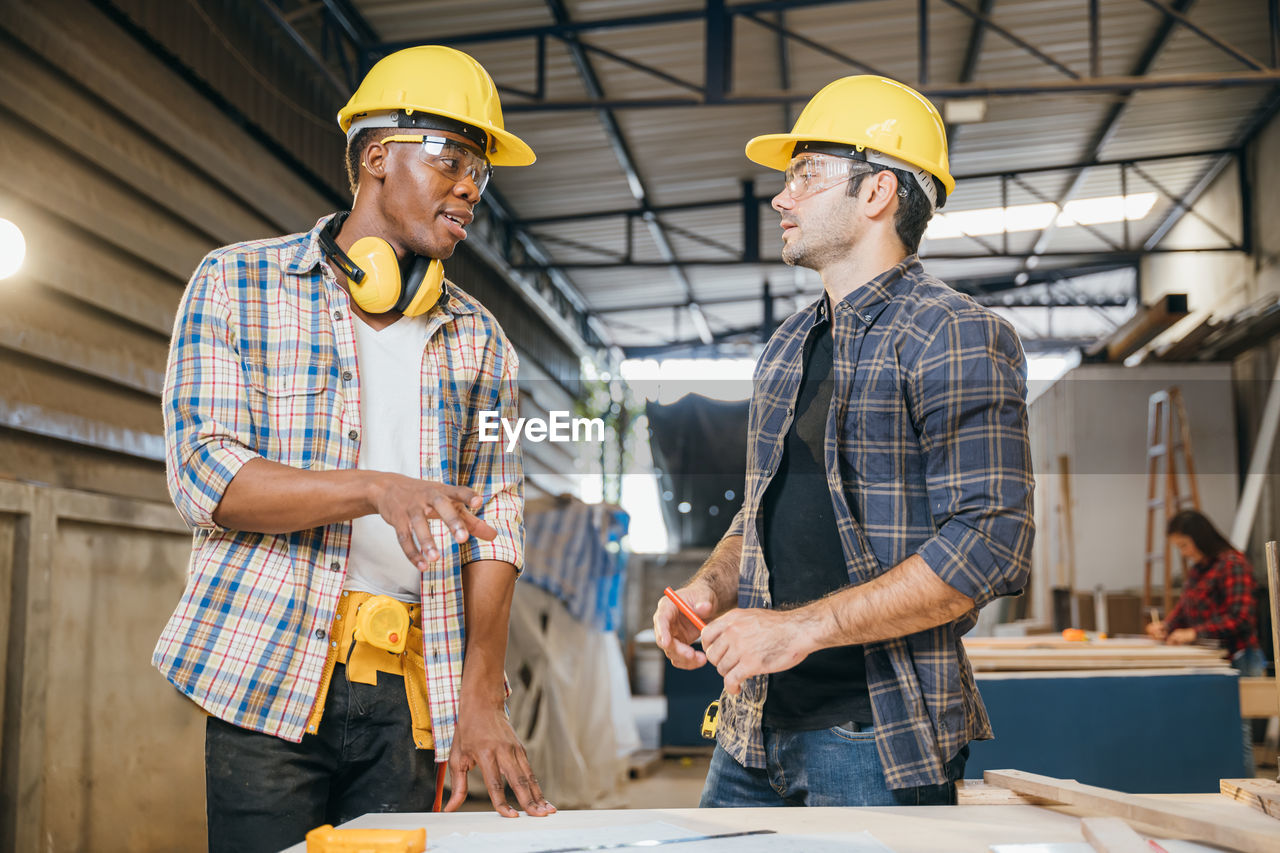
{"points": [[264, 793]]}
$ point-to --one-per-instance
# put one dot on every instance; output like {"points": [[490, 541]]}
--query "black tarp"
{"points": [[700, 447]]}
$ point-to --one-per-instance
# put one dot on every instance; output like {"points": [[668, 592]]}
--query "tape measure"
{"points": [[709, 720], [383, 622]]}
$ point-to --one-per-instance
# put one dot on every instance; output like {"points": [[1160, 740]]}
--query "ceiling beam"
{"points": [[972, 176], [617, 141], [572, 28], [1085, 85], [1107, 127]]}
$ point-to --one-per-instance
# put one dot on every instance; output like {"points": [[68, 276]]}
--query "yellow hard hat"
{"points": [[437, 81], [866, 111]]}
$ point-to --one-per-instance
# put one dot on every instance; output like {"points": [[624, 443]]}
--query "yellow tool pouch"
{"points": [[373, 634]]}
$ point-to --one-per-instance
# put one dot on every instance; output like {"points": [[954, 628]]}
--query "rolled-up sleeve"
{"points": [[207, 423], [493, 473], [968, 401]]}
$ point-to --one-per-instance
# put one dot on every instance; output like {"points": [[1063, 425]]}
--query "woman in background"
{"points": [[1217, 601]]}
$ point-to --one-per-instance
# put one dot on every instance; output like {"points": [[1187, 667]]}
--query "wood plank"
{"points": [[1262, 794], [1112, 835], [77, 38], [34, 559], [76, 264], [643, 763], [1198, 822], [1258, 697], [35, 419], [975, 792], [44, 97], [38, 323], [65, 185]]}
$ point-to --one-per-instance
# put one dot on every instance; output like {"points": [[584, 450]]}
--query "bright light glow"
{"points": [[13, 248], [1034, 217], [670, 379], [647, 533], [1046, 368]]}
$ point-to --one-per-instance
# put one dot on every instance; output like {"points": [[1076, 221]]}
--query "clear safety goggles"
{"points": [[809, 174], [448, 157]]}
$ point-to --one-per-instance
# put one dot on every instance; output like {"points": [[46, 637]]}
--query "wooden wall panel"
{"points": [[76, 37], [73, 262], [81, 124], [63, 184], [100, 754]]}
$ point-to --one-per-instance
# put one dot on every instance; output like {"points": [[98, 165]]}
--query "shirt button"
{"points": [[319, 633], [353, 435], [337, 315], [335, 566], [346, 376]]}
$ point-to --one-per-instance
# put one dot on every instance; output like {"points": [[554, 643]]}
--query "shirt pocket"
{"points": [[291, 405]]}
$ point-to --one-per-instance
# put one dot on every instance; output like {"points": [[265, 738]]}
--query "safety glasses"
{"points": [[452, 159], [809, 174]]}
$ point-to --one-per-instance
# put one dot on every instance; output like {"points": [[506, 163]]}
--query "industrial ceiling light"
{"points": [[13, 248], [1034, 217]]}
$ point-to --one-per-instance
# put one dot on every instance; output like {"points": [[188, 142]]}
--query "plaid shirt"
{"points": [[263, 364], [1217, 600], [926, 453]]}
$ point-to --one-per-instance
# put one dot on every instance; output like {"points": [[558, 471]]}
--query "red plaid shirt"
{"points": [[1218, 601]]}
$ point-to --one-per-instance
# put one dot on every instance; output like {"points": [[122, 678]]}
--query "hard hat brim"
{"points": [[774, 151], [508, 149]]}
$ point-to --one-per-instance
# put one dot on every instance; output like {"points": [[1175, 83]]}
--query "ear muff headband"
{"points": [[373, 274]]}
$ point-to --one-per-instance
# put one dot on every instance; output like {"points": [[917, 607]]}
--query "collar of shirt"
{"points": [[868, 300]]}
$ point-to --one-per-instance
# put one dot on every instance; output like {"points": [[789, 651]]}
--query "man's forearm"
{"points": [[719, 574], [904, 600], [487, 589], [267, 497]]}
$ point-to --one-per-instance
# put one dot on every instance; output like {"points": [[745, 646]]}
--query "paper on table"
{"points": [[504, 842]]}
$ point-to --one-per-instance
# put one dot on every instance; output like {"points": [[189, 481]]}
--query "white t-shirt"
{"points": [[391, 411]]}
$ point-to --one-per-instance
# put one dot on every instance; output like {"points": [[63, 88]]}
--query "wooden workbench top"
{"points": [[954, 829]]}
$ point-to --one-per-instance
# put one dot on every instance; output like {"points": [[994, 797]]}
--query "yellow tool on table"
{"points": [[326, 839]]}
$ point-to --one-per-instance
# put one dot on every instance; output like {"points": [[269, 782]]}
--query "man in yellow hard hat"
{"points": [[888, 486], [345, 618]]}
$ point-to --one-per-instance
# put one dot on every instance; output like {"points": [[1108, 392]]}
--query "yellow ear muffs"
{"points": [[373, 276], [378, 291], [426, 284]]}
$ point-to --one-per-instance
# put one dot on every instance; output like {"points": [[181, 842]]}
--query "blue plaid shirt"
{"points": [[926, 453], [263, 365]]}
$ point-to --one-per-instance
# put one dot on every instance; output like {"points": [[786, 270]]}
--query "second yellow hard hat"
{"points": [[866, 111]]}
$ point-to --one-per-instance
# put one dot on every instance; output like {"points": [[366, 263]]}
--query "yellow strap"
{"points": [[364, 661]]}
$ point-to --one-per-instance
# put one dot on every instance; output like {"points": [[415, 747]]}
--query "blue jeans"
{"points": [[825, 767], [264, 793], [1250, 663]]}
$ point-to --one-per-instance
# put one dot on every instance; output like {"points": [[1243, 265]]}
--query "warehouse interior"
{"points": [[1117, 203]]}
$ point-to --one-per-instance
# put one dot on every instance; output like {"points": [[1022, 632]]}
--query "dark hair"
{"points": [[1200, 529], [355, 150], [913, 213]]}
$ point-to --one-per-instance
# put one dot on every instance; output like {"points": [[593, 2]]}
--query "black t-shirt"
{"points": [[802, 550]]}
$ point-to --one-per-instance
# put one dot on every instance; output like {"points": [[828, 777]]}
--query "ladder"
{"points": [[1168, 440]]}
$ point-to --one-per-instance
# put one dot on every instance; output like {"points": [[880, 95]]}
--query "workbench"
{"points": [[934, 829]]}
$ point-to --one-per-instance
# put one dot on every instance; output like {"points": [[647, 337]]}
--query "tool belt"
{"points": [[366, 630]]}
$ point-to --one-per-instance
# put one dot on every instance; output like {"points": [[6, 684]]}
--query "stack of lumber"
{"points": [[1051, 652]]}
